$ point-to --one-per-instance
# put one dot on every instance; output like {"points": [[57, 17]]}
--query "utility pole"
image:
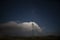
{"points": [[32, 30]]}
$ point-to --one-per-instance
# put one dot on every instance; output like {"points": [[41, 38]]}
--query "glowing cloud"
{"points": [[22, 27], [28, 26]]}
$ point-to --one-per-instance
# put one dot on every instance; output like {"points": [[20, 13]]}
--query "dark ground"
{"points": [[30, 38]]}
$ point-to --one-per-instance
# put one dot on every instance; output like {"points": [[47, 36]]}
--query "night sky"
{"points": [[43, 12]]}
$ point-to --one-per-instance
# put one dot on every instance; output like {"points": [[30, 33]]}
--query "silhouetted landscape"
{"points": [[50, 37]]}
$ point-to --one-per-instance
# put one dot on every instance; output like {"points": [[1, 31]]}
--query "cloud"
{"points": [[24, 28]]}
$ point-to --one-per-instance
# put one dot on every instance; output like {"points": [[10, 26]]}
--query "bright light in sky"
{"points": [[28, 26]]}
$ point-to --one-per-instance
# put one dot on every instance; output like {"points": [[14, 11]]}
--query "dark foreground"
{"points": [[30, 38]]}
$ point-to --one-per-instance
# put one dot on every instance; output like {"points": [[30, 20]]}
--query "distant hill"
{"points": [[49, 37]]}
